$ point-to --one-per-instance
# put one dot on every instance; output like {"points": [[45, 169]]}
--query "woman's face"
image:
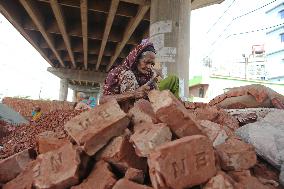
{"points": [[146, 64]]}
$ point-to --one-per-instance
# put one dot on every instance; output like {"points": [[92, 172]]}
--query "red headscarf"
{"points": [[112, 83]]}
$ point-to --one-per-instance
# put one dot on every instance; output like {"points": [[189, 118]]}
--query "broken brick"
{"points": [[236, 155], [101, 177], [142, 112], [121, 154], [182, 163], [57, 169], [214, 132], [48, 141], [220, 181], [125, 184], [171, 111], [149, 136], [24, 180], [135, 175], [94, 128], [14, 165]]}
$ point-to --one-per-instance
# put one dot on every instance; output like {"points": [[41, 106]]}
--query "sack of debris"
{"points": [[267, 136]]}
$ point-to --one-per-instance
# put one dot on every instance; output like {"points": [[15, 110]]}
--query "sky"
{"points": [[23, 70]]}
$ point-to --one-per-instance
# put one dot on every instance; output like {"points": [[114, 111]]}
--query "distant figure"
{"points": [[84, 102], [36, 113]]}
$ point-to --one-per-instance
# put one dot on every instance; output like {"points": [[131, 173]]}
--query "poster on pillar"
{"points": [[158, 30]]}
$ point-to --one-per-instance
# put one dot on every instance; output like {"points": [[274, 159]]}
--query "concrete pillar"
{"points": [[74, 98], [100, 92], [63, 91], [169, 31]]}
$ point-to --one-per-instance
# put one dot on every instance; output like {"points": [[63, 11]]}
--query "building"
{"points": [[275, 40]]}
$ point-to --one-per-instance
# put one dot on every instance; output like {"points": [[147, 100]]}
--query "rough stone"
{"points": [[214, 132], [48, 141], [171, 111], [182, 163], [101, 177], [94, 128], [236, 155], [14, 165], [149, 136], [281, 176], [142, 112], [220, 181], [121, 154], [125, 184], [135, 175], [267, 137], [57, 169]]}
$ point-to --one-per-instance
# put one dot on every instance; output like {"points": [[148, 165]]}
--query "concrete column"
{"points": [[63, 91], [100, 92], [74, 98], [169, 31]]}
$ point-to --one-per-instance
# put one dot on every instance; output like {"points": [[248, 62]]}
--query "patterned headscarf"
{"points": [[112, 82]]}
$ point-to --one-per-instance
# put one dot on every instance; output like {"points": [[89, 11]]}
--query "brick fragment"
{"points": [[135, 175], [171, 111], [220, 181], [94, 128], [121, 154], [48, 141], [246, 180], [125, 184], [236, 155], [182, 163], [57, 169], [149, 136], [214, 131], [14, 165], [101, 177], [24, 180], [142, 112]]}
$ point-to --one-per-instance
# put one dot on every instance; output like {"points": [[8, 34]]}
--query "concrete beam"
{"points": [[58, 13], [86, 89], [110, 18], [196, 4], [38, 20], [78, 75]]}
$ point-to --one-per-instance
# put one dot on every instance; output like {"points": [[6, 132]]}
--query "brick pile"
{"points": [[25, 106], [25, 136], [160, 145]]}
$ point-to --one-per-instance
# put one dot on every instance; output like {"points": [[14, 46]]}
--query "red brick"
{"points": [[57, 169], [236, 155], [135, 175], [149, 136], [94, 128], [214, 132], [126, 184], [101, 177], [142, 112], [247, 181], [171, 111], [182, 163], [48, 141], [14, 165], [24, 180], [120, 153], [217, 115], [220, 181]]}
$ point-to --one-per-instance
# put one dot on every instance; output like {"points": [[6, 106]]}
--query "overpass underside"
{"points": [[83, 39]]}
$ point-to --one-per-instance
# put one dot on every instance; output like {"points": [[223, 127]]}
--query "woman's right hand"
{"points": [[142, 91]]}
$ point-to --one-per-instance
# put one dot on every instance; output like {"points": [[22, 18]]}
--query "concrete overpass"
{"points": [[83, 39]]}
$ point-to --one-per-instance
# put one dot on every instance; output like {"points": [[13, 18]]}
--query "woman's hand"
{"points": [[142, 91]]}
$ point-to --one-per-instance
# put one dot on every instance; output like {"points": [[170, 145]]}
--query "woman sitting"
{"points": [[136, 75]]}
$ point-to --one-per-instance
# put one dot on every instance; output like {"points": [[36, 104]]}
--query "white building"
{"points": [[275, 40]]}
